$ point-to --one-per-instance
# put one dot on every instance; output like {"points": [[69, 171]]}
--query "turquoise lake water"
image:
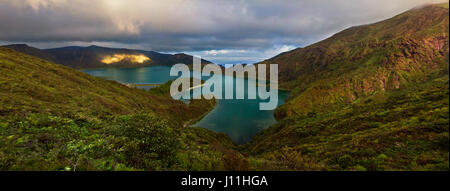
{"points": [[240, 119]]}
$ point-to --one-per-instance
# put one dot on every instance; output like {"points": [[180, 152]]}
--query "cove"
{"points": [[240, 119]]}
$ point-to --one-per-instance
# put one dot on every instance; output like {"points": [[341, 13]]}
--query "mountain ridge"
{"points": [[383, 52], [80, 57], [372, 97]]}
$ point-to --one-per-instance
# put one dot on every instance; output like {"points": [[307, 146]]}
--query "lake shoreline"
{"points": [[240, 119], [199, 118]]}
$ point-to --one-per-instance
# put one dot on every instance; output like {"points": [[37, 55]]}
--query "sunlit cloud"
{"points": [[111, 59], [219, 28]]}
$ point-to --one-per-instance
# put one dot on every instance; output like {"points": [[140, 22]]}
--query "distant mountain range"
{"points": [[100, 57]]}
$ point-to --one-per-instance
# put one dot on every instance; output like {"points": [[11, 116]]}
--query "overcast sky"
{"points": [[228, 31]]}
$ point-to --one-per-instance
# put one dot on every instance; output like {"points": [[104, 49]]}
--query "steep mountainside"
{"points": [[53, 117], [98, 57], [365, 60], [372, 97]]}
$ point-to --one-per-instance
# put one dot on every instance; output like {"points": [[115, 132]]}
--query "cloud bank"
{"points": [[189, 25]]}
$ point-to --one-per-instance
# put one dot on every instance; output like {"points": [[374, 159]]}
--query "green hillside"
{"points": [[100, 57], [56, 118], [372, 97], [403, 130], [365, 60], [23, 48]]}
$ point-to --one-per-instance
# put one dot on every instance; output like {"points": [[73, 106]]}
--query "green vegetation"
{"points": [[372, 97], [365, 60], [403, 130], [444, 5], [57, 118], [93, 56]]}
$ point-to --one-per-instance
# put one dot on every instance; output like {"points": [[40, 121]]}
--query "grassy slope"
{"points": [[23, 48], [404, 130], [365, 60], [91, 56], [372, 97], [33, 85], [56, 118]]}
